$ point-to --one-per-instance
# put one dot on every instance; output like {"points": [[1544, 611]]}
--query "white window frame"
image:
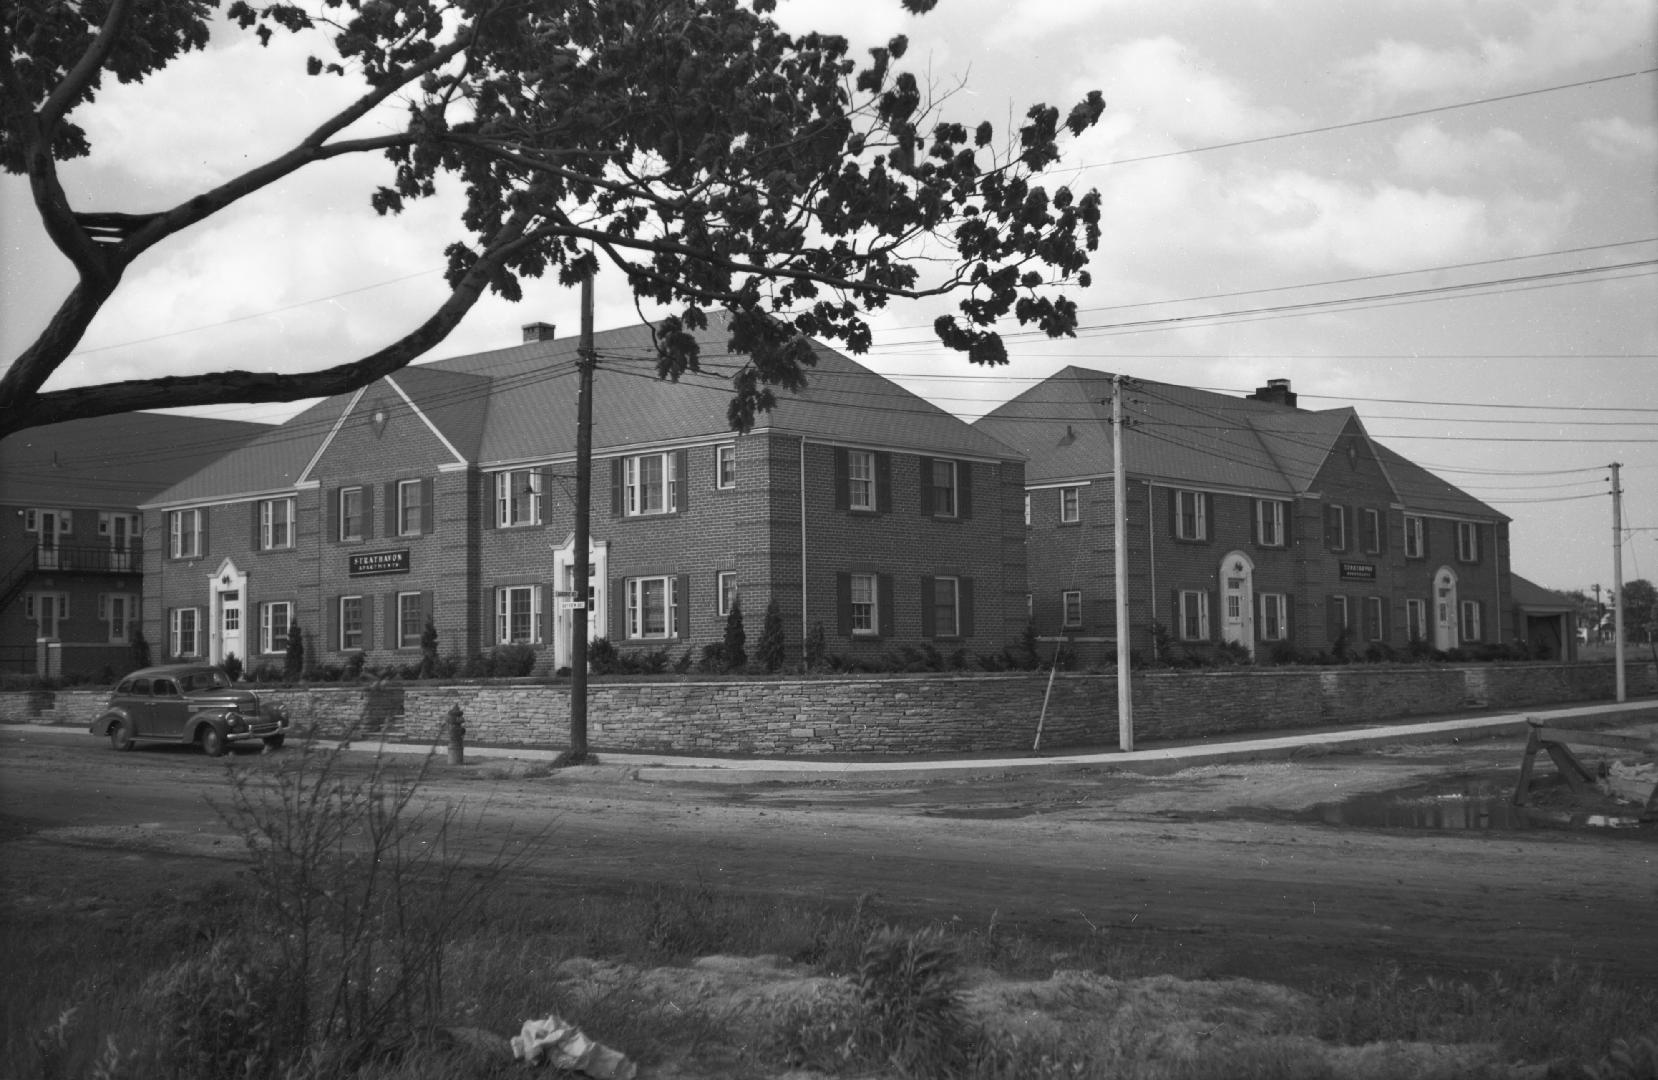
{"points": [[1468, 621], [1416, 620], [1374, 619], [1275, 617], [119, 611], [405, 640], [175, 632], [636, 589], [1070, 608], [1200, 521], [345, 642], [1197, 611], [1415, 531], [345, 518], [505, 599], [1269, 523], [726, 582], [60, 611], [31, 520], [273, 526], [1070, 505], [864, 604], [267, 626], [1341, 526], [1468, 541], [940, 630], [945, 487], [405, 504], [1027, 509], [725, 466], [860, 480], [1369, 514], [184, 542], [1339, 602], [518, 498]]}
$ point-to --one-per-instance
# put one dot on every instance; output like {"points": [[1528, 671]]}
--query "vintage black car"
{"points": [[188, 703]]}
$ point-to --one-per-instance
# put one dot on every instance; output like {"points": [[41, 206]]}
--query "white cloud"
{"points": [[1427, 151], [1544, 40], [1162, 87], [1618, 138]]}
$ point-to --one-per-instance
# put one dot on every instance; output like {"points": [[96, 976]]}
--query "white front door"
{"points": [[52, 526], [566, 595], [120, 543], [227, 625], [1237, 604], [230, 625], [1445, 609]]}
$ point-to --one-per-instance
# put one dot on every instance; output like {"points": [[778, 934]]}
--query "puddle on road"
{"points": [[1476, 807]]}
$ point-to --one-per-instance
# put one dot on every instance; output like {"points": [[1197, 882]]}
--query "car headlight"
{"points": [[235, 721]]}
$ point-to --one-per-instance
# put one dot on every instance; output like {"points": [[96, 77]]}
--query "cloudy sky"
{"points": [[1443, 213]]}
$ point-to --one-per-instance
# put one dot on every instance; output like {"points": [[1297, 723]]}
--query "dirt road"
{"points": [[1223, 868]]}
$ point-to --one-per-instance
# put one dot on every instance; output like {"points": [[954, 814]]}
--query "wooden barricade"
{"points": [[1556, 742]]}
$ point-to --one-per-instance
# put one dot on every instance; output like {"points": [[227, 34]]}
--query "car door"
{"points": [[169, 709], [139, 705]]}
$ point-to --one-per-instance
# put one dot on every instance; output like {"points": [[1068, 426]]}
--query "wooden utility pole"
{"points": [[579, 569], [1617, 577], [1119, 545]]}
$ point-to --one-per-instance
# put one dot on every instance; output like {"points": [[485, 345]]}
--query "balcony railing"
{"points": [[89, 559]]}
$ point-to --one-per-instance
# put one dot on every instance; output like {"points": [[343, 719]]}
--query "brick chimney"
{"points": [[1277, 391], [539, 331]]}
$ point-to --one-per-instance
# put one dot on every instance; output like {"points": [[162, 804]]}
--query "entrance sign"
{"points": [[371, 563], [1358, 571]]}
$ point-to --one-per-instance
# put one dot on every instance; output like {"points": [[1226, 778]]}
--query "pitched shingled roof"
{"points": [[1177, 434], [518, 404]]}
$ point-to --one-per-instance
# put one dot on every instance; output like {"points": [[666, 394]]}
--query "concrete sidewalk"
{"points": [[1161, 758]]}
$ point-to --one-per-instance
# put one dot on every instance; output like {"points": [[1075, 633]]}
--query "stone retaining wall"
{"points": [[912, 714]]}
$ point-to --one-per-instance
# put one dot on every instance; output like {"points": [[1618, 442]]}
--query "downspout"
{"points": [[1151, 559], [804, 609]]}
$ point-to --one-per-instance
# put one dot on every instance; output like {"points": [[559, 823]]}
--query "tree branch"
{"points": [[69, 90]]}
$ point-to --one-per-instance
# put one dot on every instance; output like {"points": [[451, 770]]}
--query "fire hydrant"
{"points": [[457, 736]]}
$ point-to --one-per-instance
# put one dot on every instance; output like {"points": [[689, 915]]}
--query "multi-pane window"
{"points": [[1335, 527], [184, 528], [273, 626], [352, 513], [276, 524], [351, 623], [1027, 508], [864, 619], [1194, 615], [1468, 541], [1375, 619], [1269, 522], [1339, 617], [1070, 505], [1416, 618], [1275, 617], [123, 532], [1415, 546], [648, 484], [944, 496], [182, 626], [517, 498], [47, 609], [411, 620], [650, 607], [946, 607], [1470, 620], [518, 614], [409, 508], [1370, 528], [1070, 604], [727, 590], [119, 611], [725, 465], [1191, 518], [860, 479]]}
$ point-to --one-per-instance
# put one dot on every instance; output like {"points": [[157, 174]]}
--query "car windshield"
{"points": [[211, 679]]}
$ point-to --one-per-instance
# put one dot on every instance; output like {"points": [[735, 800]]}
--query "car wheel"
{"points": [[273, 742], [212, 741], [120, 736]]}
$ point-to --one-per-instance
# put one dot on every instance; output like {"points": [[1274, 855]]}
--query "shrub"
{"points": [[140, 648], [294, 663], [429, 650], [602, 656], [735, 637], [816, 648], [504, 661], [354, 665], [770, 653], [910, 989], [713, 658], [233, 666], [683, 664]]}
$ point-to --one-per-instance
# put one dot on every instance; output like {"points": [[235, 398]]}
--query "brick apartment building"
{"points": [[1249, 521], [447, 490], [71, 544]]}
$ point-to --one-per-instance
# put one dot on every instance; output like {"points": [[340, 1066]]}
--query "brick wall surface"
{"points": [[911, 714]]}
